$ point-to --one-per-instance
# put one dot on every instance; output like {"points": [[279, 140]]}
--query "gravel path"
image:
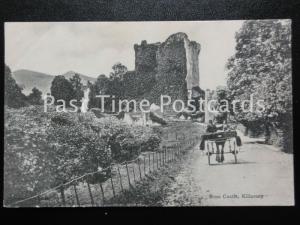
{"points": [[263, 176]]}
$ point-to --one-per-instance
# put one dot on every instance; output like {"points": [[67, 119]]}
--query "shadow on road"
{"points": [[255, 142], [231, 163]]}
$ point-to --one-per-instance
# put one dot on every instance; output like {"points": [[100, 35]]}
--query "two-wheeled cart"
{"points": [[215, 141]]}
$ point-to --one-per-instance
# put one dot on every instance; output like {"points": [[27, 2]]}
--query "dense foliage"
{"points": [[262, 66], [43, 150], [61, 88], [35, 97], [123, 84], [13, 93], [112, 85], [77, 88]]}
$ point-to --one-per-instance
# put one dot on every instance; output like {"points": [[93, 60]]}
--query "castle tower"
{"points": [[145, 56], [174, 65]]}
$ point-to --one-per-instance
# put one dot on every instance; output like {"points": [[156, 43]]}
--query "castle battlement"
{"points": [[177, 54], [166, 68]]}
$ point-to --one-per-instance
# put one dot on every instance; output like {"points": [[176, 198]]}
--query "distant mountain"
{"points": [[84, 78], [28, 79]]}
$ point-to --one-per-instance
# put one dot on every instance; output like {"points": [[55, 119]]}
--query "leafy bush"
{"points": [[43, 150], [25, 170], [126, 141], [35, 97], [13, 93]]}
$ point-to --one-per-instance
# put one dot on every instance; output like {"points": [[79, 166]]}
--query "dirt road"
{"points": [[263, 176]]}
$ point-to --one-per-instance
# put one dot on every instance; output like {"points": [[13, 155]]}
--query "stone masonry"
{"points": [[167, 68]]}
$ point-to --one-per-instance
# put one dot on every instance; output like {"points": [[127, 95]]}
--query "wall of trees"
{"points": [[262, 66]]}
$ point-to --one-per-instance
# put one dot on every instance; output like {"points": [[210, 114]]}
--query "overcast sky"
{"points": [[91, 48]]}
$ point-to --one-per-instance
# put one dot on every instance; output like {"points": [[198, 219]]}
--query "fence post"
{"points": [[153, 161], [156, 160], [166, 156], [175, 154], [76, 195], [133, 174], [102, 192], [62, 194], [149, 162], [144, 165], [159, 158], [112, 185], [120, 179], [90, 193], [140, 169], [172, 154], [127, 174], [39, 200]]}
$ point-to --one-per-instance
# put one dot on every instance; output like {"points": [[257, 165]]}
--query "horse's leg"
{"points": [[222, 152], [218, 153]]}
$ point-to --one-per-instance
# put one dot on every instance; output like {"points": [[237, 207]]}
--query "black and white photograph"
{"points": [[148, 113]]}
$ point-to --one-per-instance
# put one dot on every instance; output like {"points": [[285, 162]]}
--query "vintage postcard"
{"points": [[174, 113]]}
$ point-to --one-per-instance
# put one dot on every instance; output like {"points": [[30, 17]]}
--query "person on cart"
{"points": [[212, 128]]}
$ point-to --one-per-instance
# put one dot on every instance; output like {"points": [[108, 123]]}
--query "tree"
{"points": [[77, 87], [61, 88], [102, 84], [113, 86], [13, 93], [100, 87], [116, 84], [35, 97], [262, 66], [118, 70]]}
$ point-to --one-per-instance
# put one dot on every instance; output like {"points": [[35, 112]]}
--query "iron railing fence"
{"points": [[123, 176]]}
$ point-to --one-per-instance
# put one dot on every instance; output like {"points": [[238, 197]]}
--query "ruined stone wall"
{"points": [[145, 56], [192, 56], [168, 68], [171, 68]]}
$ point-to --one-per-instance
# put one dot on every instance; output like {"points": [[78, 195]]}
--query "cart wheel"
{"points": [[235, 152], [208, 153], [235, 158]]}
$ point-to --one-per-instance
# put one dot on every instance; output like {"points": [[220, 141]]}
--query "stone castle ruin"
{"points": [[167, 68]]}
